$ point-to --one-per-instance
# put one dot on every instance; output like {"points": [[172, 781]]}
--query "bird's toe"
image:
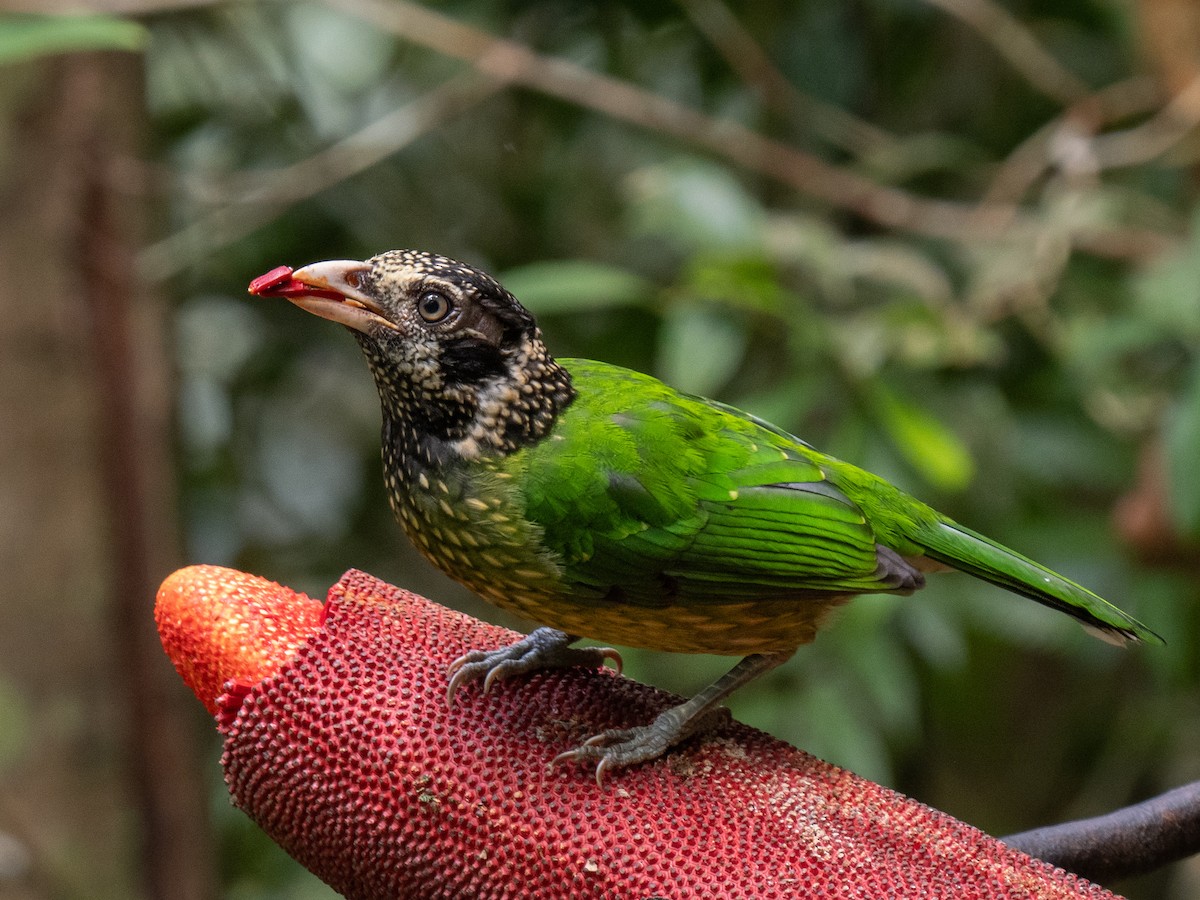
{"points": [[545, 648]]}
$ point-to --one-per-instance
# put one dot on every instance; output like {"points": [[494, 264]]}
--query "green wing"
{"points": [[669, 498]]}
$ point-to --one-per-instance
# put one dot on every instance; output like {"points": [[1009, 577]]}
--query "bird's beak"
{"points": [[330, 289]]}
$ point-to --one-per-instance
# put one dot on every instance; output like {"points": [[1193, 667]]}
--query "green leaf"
{"points": [[699, 347], [746, 281], [929, 446], [696, 204], [25, 37], [569, 286], [1182, 444]]}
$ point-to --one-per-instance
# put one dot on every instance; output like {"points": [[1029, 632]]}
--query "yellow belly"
{"points": [[471, 536], [726, 629]]}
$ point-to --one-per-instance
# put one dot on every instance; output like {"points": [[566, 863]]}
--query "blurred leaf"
{"points": [[1054, 451], [814, 246], [697, 204], [216, 335], [1106, 350], [745, 282], [1019, 273], [699, 347], [1167, 600], [894, 263], [908, 157], [862, 342], [928, 445], [927, 337], [1168, 293], [350, 56], [1182, 444], [205, 415], [569, 286], [25, 37], [785, 402]]}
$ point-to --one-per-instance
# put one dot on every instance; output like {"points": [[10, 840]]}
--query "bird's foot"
{"points": [[621, 747], [544, 648]]}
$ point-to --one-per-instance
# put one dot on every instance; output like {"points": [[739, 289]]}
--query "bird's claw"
{"points": [[618, 748], [473, 656], [544, 648], [609, 653]]}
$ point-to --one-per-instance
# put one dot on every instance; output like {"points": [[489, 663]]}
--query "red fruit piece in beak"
{"points": [[274, 278], [280, 283]]}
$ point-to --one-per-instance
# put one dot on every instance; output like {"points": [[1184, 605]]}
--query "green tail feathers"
{"points": [[960, 548]]}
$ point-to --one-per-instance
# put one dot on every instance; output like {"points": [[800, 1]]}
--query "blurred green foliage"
{"points": [[27, 36], [1009, 378]]}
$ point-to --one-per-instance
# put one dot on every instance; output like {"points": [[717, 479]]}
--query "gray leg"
{"points": [[620, 747]]}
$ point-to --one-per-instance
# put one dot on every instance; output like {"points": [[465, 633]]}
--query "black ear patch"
{"points": [[516, 319], [470, 360]]}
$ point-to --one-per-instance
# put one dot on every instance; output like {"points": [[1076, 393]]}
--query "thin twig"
{"points": [[752, 64], [279, 189], [1032, 158], [1017, 44], [1155, 136]]}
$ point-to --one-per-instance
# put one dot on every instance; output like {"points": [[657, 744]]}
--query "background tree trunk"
{"points": [[100, 793]]}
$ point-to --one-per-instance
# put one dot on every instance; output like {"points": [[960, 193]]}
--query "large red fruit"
{"points": [[346, 753]]}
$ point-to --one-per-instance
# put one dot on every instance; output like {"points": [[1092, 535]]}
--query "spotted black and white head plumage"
{"points": [[460, 364]]}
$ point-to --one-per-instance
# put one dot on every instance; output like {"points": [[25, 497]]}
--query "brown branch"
{"points": [[513, 63], [1154, 137], [1130, 841], [1033, 157]]}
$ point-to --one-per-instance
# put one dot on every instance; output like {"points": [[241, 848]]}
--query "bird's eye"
{"points": [[433, 306]]}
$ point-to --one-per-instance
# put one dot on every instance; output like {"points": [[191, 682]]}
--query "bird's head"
{"points": [[448, 346]]}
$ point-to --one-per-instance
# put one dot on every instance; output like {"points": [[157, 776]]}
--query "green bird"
{"points": [[601, 503]]}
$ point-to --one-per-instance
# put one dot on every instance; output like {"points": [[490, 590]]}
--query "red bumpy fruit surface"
{"points": [[347, 755]]}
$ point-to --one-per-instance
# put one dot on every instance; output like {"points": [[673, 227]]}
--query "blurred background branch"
{"points": [[1019, 47], [251, 200], [513, 63], [742, 53]]}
